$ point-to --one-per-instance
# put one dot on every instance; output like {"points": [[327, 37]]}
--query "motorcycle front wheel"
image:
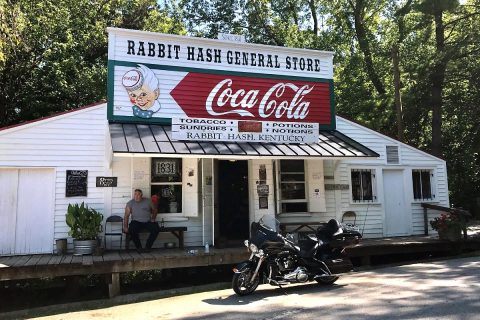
{"points": [[241, 282]]}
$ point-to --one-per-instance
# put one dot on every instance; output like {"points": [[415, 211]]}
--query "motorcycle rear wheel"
{"points": [[241, 283], [329, 280]]}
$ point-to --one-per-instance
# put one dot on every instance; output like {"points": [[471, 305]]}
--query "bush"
{"points": [[446, 222]]}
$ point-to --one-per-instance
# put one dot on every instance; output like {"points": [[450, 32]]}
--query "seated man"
{"points": [[143, 218]]}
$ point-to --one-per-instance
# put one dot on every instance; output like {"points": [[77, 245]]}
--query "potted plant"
{"points": [[85, 224], [448, 226]]}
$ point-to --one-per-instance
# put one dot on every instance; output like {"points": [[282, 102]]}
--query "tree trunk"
{"points": [[398, 96], [437, 79], [362, 38], [313, 10]]}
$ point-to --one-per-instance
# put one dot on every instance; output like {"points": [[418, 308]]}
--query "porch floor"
{"points": [[50, 265]]}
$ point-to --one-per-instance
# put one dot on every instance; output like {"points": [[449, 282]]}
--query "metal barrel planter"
{"points": [[81, 247]]}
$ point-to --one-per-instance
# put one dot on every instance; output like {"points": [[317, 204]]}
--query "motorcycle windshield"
{"points": [[263, 231]]}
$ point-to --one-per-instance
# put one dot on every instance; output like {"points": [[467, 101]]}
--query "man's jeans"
{"points": [[136, 227]]}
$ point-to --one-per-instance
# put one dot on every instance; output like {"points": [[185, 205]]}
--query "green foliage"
{"points": [[53, 53], [85, 223]]}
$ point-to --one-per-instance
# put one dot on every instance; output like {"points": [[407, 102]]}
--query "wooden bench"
{"points": [[176, 231]]}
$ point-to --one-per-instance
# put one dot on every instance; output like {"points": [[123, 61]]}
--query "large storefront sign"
{"points": [[154, 78], [204, 129]]}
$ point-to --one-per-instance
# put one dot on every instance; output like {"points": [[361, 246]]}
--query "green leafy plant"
{"points": [[447, 222], [85, 223]]}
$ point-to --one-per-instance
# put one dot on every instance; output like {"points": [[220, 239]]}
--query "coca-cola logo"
{"points": [[224, 100], [248, 98]]}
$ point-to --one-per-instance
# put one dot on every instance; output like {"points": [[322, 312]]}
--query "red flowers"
{"points": [[447, 221]]}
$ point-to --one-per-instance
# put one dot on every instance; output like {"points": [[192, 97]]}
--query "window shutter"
{"points": [[392, 155]]}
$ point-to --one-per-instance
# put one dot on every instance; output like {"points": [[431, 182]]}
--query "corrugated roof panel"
{"points": [[119, 144], [319, 150], [272, 149], [286, 150], [309, 150], [234, 148], [134, 143], [332, 141], [180, 147], [260, 149], [166, 147], [141, 138], [299, 151], [223, 149], [147, 138], [194, 147], [159, 133], [208, 147]]}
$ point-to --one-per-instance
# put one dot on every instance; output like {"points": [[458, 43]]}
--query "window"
{"points": [[363, 185], [292, 186], [166, 184], [422, 184]]}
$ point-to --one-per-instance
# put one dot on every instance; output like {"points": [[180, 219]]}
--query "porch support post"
{"points": [[425, 221], [113, 281]]}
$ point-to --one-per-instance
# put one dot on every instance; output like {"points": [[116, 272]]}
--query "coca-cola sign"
{"points": [[251, 98]]}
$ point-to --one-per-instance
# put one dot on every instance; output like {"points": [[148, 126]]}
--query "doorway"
{"points": [[27, 206], [233, 208], [396, 219]]}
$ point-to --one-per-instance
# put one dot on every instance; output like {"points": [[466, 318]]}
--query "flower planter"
{"points": [[81, 247], [450, 235]]}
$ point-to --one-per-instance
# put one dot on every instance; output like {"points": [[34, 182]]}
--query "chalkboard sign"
{"points": [[76, 184], [106, 182]]}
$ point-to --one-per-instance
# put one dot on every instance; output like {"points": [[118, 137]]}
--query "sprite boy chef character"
{"points": [[143, 90]]}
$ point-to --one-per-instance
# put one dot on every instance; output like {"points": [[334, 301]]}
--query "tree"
{"points": [[54, 53]]}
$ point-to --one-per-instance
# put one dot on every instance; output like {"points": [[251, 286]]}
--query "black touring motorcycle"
{"points": [[277, 260]]}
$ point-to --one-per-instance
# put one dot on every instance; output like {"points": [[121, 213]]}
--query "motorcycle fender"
{"points": [[244, 265]]}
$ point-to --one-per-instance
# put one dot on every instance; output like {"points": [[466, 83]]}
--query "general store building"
{"points": [[220, 133]]}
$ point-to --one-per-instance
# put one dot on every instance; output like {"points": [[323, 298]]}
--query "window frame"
{"points": [[373, 179], [279, 174], [431, 173], [178, 182]]}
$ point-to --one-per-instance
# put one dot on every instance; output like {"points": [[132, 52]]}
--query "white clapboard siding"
{"points": [[253, 180], [409, 158], [70, 141]]}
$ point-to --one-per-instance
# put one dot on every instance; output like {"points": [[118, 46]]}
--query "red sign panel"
{"points": [[247, 98]]}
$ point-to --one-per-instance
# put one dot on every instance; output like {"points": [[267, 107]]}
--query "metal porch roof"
{"points": [[157, 140]]}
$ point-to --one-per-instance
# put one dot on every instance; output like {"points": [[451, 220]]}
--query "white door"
{"points": [[8, 210], [396, 215], [26, 211]]}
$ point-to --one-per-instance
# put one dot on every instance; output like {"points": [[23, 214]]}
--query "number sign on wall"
{"points": [[165, 167]]}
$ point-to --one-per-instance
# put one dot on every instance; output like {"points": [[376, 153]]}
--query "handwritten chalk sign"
{"points": [[76, 183], [104, 182]]}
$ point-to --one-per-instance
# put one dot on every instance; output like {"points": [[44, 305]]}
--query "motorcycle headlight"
{"points": [[253, 248]]}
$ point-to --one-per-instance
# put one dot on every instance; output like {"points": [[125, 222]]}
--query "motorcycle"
{"points": [[278, 260]]}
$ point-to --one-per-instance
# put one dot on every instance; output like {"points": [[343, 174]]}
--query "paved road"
{"points": [[436, 290]]}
